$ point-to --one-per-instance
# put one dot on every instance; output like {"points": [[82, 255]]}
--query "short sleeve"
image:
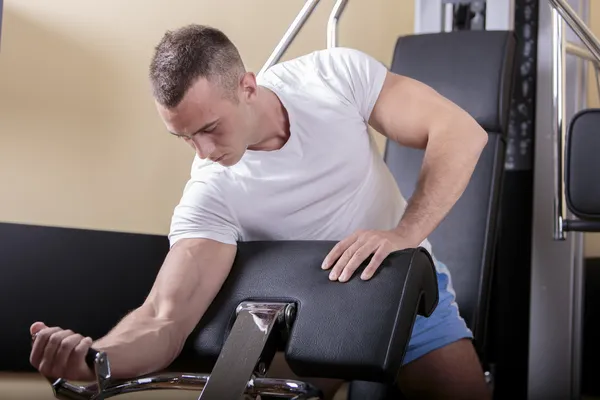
{"points": [[203, 213], [354, 75]]}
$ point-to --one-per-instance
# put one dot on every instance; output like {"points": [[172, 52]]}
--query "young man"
{"points": [[289, 156]]}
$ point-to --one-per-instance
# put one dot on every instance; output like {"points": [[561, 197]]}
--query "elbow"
{"points": [[481, 138], [476, 136]]}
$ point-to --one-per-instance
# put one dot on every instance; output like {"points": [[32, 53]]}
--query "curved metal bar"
{"points": [[579, 27], [289, 35], [581, 52], [332, 23], [281, 388]]}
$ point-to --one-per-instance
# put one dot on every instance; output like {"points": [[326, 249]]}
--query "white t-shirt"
{"points": [[326, 182]]}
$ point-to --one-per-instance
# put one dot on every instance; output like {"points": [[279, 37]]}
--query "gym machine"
{"points": [[549, 198], [362, 335]]}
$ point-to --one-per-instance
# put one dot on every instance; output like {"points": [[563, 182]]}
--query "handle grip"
{"points": [[90, 358]]}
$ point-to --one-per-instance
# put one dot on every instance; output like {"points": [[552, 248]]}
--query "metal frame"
{"points": [[429, 16], [503, 12], [555, 328], [562, 12], [578, 25], [289, 35], [433, 16], [580, 51], [332, 23], [232, 376]]}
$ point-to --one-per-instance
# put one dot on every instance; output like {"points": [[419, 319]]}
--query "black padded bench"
{"points": [[474, 69]]}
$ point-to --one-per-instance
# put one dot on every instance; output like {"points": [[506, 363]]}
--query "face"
{"points": [[215, 126]]}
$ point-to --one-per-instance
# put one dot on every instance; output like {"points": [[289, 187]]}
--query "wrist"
{"points": [[408, 237]]}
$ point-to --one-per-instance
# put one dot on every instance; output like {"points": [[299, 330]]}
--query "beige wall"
{"points": [[80, 142], [592, 240]]}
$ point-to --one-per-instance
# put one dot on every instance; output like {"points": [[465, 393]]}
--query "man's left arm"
{"points": [[415, 115]]}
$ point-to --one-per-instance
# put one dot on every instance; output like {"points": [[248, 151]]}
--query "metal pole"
{"points": [[581, 52], [558, 118], [332, 23], [289, 35], [578, 26]]}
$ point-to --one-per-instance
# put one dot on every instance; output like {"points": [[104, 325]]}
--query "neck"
{"points": [[273, 126]]}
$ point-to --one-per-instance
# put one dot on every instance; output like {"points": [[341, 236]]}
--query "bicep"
{"points": [[189, 279], [407, 110]]}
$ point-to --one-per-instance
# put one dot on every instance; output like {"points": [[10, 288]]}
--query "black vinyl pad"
{"points": [[582, 165], [445, 61], [353, 330], [88, 280]]}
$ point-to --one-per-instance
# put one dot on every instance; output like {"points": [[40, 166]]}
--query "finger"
{"points": [[36, 327], [65, 348], [343, 261], [339, 249], [48, 360], [357, 259], [78, 355], [39, 345], [380, 254]]}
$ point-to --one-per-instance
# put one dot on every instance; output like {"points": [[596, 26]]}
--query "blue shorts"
{"points": [[444, 325]]}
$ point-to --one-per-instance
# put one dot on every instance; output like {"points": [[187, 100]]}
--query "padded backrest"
{"points": [[474, 69], [582, 165]]}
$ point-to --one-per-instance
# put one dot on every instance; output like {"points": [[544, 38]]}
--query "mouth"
{"points": [[220, 158]]}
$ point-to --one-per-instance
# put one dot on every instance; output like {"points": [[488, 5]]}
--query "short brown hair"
{"points": [[191, 52]]}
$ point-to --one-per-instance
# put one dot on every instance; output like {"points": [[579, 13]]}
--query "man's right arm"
{"points": [[150, 337]]}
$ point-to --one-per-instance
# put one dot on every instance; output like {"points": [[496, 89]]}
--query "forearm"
{"points": [[150, 337], [451, 155], [140, 343]]}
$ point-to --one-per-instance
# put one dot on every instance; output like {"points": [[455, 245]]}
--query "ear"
{"points": [[248, 85]]}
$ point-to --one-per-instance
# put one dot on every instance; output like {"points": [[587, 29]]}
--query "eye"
{"points": [[211, 129]]}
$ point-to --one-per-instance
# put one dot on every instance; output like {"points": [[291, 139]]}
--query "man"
{"points": [[289, 156]]}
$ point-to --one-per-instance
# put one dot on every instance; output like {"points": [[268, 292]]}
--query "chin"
{"points": [[229, 161]]}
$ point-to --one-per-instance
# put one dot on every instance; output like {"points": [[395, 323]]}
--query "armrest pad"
{"points": [[353, 330]]}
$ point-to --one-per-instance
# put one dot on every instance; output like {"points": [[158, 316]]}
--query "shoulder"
{"points": [[324, 62], [352, 76], [341, 57]]}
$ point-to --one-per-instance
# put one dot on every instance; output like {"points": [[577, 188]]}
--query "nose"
{"points": [[203, 146]]}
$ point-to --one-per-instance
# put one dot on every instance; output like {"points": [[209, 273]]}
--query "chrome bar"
{"points": [[558, 118], [280, 388], [579, 27], [581, 52], [242, 349], [290, 35], [332, 23]]}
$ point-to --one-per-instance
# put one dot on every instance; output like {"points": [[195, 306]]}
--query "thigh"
{"points": [[449, 372], [281, 370], [443, 327], [440, 360]]}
